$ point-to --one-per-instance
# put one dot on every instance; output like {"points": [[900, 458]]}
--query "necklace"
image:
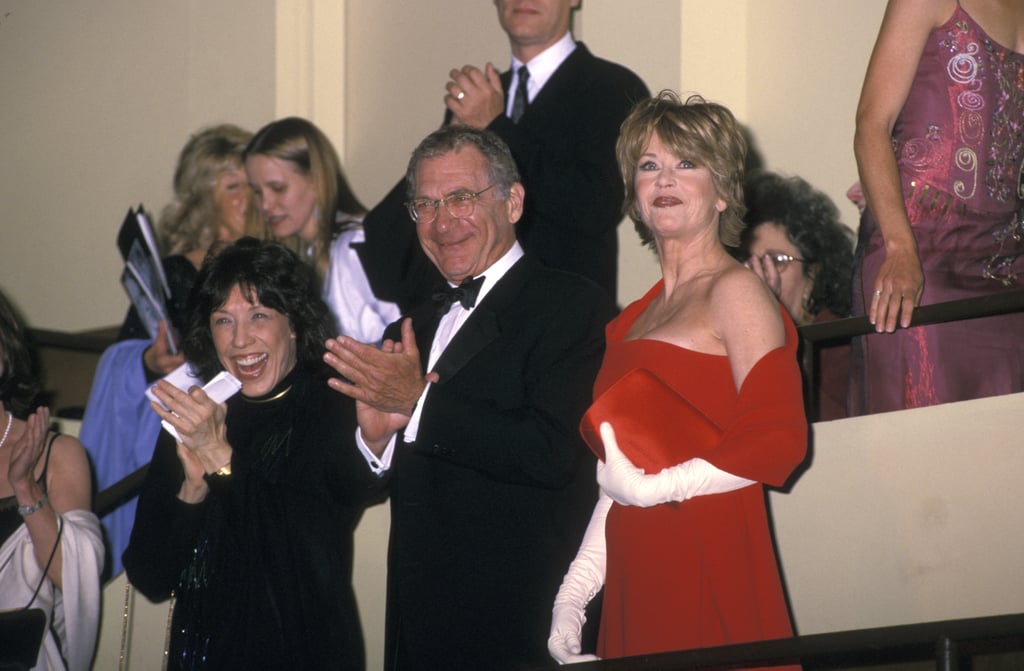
{"points": [[276, 396], [10, 420]]}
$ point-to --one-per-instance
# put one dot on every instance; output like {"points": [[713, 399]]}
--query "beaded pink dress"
{"points": [[959, 144]]}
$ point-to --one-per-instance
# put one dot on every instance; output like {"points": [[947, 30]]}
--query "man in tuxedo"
{"points": [[470, 408], [560, 117]]}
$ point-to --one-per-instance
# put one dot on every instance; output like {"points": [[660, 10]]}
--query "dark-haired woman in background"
{"points": [[795, 242], [51, 550], [248, 520]]}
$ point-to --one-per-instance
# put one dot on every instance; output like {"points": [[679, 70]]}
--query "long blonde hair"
{"points": [[192, 220], [305, 146]]}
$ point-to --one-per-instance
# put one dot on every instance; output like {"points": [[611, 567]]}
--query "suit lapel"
{"points": [[479, 330], [483, 325]]}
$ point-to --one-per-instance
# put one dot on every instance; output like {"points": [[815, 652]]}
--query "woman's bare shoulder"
{"points": [[742, 304], [69, 463], [739, 286]]}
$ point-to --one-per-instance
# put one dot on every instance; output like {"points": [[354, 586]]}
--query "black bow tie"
{"points": [[465, 294]]}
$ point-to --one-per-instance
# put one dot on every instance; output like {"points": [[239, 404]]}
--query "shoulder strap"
{"points": [[46, 463]]}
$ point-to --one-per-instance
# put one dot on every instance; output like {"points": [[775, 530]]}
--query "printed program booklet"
{"points": [[143, 277]]}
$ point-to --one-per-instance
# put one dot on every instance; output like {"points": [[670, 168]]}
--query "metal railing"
{"points": [[951, 643], [840, 331], [812, 336], [119, 493], [89, 341]]}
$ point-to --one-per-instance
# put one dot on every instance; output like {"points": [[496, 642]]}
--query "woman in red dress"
{"points": [[697, 405]]}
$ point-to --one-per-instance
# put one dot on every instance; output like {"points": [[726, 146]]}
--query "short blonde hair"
{"points": [[704, 132]]}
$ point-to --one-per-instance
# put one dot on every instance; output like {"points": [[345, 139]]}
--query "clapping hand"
{"points": [[200, 423], [27, 449], [386, 382], [475, 97]]}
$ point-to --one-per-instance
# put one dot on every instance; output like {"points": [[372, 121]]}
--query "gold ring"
{"points": [[460, 95]]}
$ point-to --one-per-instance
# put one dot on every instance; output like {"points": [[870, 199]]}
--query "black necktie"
{"points": [[521, 99], [465, 294]]}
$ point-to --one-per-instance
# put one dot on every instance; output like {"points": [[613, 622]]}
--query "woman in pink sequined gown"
{"points": [[940, 151]]}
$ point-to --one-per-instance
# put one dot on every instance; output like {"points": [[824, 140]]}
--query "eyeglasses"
{"points": [[782, 260], [460, 205]]}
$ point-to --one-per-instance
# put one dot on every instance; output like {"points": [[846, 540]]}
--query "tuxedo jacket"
{"points": [[489, 504], [564, 146]]}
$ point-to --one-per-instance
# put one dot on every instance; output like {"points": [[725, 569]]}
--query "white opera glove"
{"points": [[629, 485], [582, 582]]}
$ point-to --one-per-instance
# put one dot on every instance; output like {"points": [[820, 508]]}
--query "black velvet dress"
{"points": [[262, 568]]}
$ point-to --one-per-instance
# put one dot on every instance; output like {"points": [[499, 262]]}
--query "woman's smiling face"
{"points": [[675, 196], [254, 343]]}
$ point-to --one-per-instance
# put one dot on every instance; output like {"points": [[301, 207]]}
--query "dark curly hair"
{"points": [[263, 270], [811, 220], [19, 380]]}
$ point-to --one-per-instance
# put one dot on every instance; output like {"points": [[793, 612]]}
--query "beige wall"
{"points": [[904, 517], [99, 97]]}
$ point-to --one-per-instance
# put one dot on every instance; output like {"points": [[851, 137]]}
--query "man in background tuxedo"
{"points": [[560, 118], [470, 408]]}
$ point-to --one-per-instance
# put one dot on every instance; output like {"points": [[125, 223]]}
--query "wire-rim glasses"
{"points": [[782, 260], [459, 204]]}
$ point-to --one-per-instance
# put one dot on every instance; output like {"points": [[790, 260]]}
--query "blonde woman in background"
{"points": [[308, 204], [212, 206]]}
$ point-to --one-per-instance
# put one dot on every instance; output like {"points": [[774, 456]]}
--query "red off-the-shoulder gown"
{"points": [[702, 572]]}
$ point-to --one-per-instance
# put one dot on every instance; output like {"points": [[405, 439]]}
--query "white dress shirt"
{"points": [[357, 313], [450, 324], [541, 67]]}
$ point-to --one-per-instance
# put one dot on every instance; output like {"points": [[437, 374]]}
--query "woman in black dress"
{"points": [[248, 519]]}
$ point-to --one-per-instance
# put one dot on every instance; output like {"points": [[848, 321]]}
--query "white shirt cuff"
{"points": [[379, 465]]}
